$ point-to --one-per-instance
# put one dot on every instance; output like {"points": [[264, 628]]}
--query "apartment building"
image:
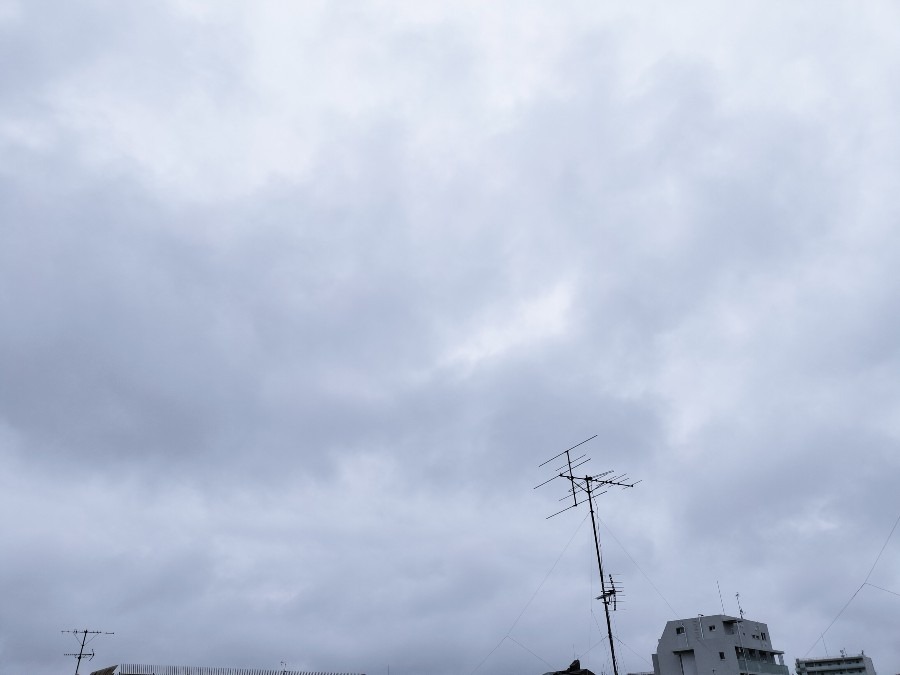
{"points": [[860, 664], [717, 645]]}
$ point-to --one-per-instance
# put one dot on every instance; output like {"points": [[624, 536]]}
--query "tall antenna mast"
{"points": [[84, 641], [586, 488], [740, 609]]}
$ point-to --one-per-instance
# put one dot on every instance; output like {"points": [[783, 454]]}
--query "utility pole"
{"points": [[84, 642], [588, 487]]}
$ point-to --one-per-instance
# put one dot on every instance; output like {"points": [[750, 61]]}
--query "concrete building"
{"points": [[837, 665], [717, 645]]}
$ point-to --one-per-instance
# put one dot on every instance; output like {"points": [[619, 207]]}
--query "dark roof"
{"points": [[573, 669], [105, 671]]}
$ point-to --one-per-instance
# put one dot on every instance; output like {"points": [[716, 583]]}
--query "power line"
{"points": [[640, 656], [502, 640], [634, 562], [883, 589], [822, 634], [884, 546], [547, 576], [510, 637], [533, 596], [616, 638], [856, 592]]}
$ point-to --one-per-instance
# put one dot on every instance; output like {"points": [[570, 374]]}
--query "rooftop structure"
{"points": [[859, 664], [717, 645], [573, 669]]}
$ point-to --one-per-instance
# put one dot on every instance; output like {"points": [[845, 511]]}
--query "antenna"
{"points": [[587, 488], [612, 593], [740, 610], [721, 602], [84, 641]]}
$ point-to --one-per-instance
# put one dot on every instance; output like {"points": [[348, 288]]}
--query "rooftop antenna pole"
{"points": [[740, 610], [721, 602], [84, 641], [605, 594], [588, 487]]}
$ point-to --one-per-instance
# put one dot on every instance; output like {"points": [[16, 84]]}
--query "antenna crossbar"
{"points": [[566, 451]]}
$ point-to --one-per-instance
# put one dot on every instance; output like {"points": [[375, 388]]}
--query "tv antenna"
{"points": [[84, 642], [740, 609], [585, 489]]}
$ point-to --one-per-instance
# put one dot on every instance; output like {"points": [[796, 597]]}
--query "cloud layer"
{"points": [[296, 299]]}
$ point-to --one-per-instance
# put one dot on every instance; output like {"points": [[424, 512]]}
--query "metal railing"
{"points": [[754, 666], [143, 669]]}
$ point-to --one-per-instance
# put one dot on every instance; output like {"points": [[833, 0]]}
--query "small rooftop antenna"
{"points": [[84, 641], [740, 610], [587, 488]]}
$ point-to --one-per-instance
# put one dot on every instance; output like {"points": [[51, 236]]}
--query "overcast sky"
{"points": [[295, 297]]}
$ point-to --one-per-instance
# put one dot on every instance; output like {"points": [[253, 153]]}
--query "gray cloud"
{"points": [[296, 300]]}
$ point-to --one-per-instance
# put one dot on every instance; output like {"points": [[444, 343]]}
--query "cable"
{"points": [[883, 589], [634, 562], [490, 652], [529, 651], [884, 546], [602, 641], [599, 630], [822, 634], [533, 596], [856, 592], [643, 658]]}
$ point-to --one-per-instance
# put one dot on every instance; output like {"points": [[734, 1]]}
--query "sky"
{"points": [[297, 296]]}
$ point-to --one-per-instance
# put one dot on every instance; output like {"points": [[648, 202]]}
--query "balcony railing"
{"points": [[753, 666]]}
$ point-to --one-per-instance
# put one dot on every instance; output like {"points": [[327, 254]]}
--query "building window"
{"points": [[763, 636], [713, 627], [679, 630], [722, 655]]}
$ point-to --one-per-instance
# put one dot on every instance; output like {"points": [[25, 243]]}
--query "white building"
{"points": [[717, 645], [837, 665]]}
